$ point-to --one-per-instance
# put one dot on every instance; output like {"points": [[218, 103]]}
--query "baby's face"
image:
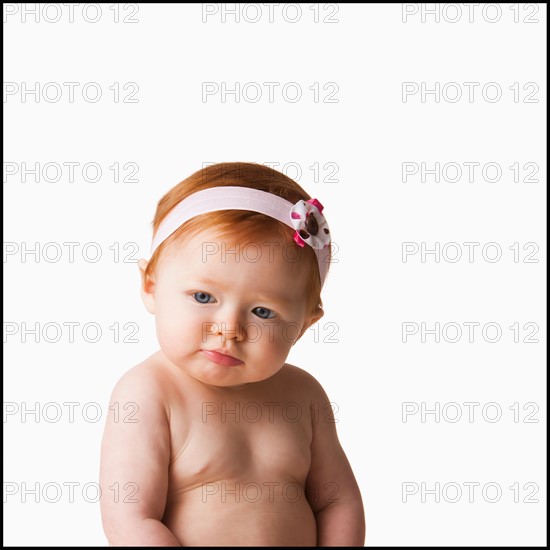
{"points": [[247, 301]]}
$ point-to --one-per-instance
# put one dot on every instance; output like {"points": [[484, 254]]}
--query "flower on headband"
{"points": [[310, 224]]}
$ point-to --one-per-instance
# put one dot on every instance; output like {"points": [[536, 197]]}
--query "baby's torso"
{"points": [[239, 466]]}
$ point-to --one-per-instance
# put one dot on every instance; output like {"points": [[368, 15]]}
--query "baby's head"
{"points": [[235, 280]]}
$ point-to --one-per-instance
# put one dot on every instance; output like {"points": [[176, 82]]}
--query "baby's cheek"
{"points": [[277, 337], [168, 335], [174, 331]]}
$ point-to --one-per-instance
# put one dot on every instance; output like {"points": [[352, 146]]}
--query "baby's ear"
{"points": [[311, 320], [147, 287]]}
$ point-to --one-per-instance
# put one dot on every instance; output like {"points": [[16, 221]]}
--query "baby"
{"points": [[219, 441]]}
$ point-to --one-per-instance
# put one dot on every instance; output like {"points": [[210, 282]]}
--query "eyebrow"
{"points": [[205, 280]]}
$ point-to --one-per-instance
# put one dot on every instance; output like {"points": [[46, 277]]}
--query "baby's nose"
{"points": [[232, 331], [231, 327]]}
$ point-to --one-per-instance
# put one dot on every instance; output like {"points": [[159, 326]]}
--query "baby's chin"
{"points": [[235, 377], [226, 377]]}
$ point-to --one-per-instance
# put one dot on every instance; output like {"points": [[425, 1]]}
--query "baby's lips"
{"points": [[216, 356]]}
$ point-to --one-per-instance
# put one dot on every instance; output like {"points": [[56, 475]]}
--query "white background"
{"points": [[368, 51]]}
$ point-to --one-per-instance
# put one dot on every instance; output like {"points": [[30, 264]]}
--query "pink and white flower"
{"points": [[310, 224]]}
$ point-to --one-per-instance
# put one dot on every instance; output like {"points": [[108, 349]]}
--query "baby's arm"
{"points": [[135, 456], [331, 487]]}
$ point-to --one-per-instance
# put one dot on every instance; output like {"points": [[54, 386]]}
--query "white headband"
{"points": [[305, 216]]}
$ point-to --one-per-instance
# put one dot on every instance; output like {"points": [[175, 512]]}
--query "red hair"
{"points": [[241, 225]]}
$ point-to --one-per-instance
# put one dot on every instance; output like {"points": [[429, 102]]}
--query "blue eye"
{"points": [[202, 297], [263, 313]]}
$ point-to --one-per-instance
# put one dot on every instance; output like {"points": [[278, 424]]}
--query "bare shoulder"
{"points": [[307, 382], [148, 380]]}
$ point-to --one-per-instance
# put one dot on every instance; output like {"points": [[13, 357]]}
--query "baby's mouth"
{"points": [[221, 358]]}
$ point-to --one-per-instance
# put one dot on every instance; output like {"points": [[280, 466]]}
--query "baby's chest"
{"points": [[242, 442]]}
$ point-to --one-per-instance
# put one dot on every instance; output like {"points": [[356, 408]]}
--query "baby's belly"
{"points": [[252, 512]]}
